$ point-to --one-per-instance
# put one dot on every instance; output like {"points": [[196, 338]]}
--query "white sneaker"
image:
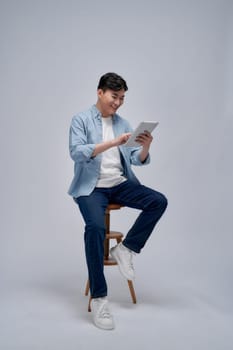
{"points": [[124, 257], [101, 315]]}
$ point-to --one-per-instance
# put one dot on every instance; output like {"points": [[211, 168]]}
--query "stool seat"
{"points": [[108, 260], [114, 206]]}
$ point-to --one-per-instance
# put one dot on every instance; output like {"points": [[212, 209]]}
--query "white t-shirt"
{"points": [[111, 168]]}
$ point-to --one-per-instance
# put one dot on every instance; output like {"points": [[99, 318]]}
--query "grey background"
{"points": [[177, 59]]}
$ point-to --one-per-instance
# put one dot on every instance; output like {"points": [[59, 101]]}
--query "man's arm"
{"points": [[144, 140], [104, 146]]}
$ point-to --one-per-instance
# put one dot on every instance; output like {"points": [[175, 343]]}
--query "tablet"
{"points": [[142, 127]]}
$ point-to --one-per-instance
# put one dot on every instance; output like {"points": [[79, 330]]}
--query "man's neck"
{"points": [[104, 115]]}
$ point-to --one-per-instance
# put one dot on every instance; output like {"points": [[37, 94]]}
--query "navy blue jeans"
{"points": [[152, 205]]}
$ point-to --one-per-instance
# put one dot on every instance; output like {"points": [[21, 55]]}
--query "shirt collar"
{"points": [[98, 115]]}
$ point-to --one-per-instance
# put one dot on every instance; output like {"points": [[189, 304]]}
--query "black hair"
{"points": [[112, 81]]}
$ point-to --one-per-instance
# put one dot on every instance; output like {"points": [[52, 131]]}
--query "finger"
{"points": [[143, 140], [143, 137], [147, 133]]}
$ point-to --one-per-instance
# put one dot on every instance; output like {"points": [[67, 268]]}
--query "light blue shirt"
{"points": [[85, 133]]}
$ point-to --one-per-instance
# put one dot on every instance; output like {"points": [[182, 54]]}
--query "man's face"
{"points": [[109, 101]]}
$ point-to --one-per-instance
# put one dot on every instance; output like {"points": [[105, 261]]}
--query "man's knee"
{"points": [[160, 201], [163, 202]]}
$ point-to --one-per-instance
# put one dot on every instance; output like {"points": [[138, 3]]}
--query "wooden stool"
{"points": [[108, 261]]}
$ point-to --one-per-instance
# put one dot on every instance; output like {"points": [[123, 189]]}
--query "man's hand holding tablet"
{"points": [[143, 127]]}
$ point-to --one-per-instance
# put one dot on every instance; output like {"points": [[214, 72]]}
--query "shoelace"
{"points": [[104, 311]]}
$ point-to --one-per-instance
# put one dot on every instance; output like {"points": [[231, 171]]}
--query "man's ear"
{"points": [[100, 93]]}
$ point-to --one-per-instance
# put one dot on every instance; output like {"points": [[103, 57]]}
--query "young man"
{"points": [[103, 174]]}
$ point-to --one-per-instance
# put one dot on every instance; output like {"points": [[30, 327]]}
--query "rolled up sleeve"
{"points": [[135, 158], [80, 150]]}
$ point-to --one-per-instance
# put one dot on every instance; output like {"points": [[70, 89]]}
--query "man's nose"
{"points": [[117, 102]]}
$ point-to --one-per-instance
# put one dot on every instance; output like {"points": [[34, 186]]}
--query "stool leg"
{"points": [[86, 293], [87, 287], [89, 305], [106, 241], [132, 291]]}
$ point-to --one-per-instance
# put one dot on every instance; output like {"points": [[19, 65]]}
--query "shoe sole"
{"points": [[106, 328]]}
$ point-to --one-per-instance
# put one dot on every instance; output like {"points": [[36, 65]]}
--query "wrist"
{"points": [[112, 143], [145, 149]]}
